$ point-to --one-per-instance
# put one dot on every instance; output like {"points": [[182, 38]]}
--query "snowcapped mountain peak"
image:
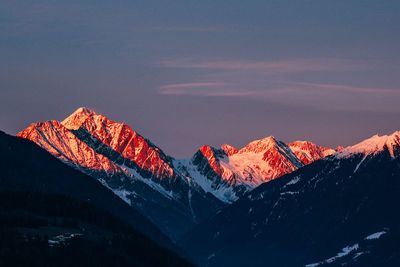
{"points": [[267, 140], [63, 144], [309, 152], [84, 110], [230, 150], [77, 118], [374, 145], [339, 148], [260, 145], [258, 162], [127, 163], [106, 134], [134, 168]]}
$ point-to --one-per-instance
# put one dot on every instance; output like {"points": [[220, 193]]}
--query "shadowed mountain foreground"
{"points": [[53, 215]]}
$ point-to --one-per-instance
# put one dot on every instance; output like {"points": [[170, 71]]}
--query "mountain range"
{"points": [[175, 194], [268, 203], [341, 210]]}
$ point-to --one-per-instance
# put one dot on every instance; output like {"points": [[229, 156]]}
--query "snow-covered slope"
{"points": [[122, 139], [228, 172], [374, 145], [308, 152], [263, 160], [63, 144]]}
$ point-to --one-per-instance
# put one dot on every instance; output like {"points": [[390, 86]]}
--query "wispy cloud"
{"points": [[284, 66], [219, 92], [202, 89], [272, 81], [193, 85], [348, 88], [279, 90]]}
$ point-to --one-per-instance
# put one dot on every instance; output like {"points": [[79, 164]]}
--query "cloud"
{"points": [[273, 81], [193, 85], [283, 66], [202, 89], [280, 90], [348, 88]]}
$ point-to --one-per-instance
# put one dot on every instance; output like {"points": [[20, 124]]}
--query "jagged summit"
{"points": [[228, 172], [67, 147], [260, 145], [374, 145], [230, 150], [309, 152], [77, 118], [84, 110], [339, 148], [98, 132]]}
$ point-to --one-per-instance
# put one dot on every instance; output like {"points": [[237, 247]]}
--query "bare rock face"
{"points": [[230, 150], [63, 144], [122, 139]]}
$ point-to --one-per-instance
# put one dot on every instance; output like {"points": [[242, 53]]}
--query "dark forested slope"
{"points": [[37, 188]]}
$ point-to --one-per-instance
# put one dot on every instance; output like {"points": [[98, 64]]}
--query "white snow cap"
{"points": [[83, 110], [75, 120], [373, 145]]}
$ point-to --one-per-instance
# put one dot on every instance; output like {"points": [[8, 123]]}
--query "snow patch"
{"points": [[295, 180], [376, 235], [359, 254], [149, 182], [289, 193], [359, 164], [123, 194], [249, 167], [345, 251], [212, 255]]}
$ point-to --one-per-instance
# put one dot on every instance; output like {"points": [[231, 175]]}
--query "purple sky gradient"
{"points": [[189, 73]]}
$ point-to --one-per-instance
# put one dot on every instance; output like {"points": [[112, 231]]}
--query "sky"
{"points": [[189, 73]]}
